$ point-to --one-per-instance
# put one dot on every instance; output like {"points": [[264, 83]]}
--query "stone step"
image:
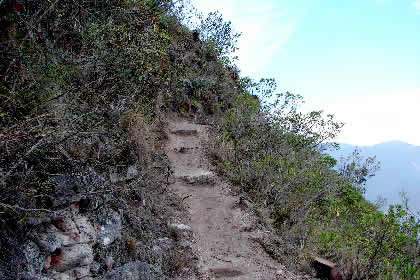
{"points": [[225, 272], [184, 149], [197, 177], [185, 132]]}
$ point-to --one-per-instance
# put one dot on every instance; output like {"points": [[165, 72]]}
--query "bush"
{"points": [[65, 87]]}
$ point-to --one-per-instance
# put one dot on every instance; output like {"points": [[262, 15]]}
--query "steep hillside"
{"points": [[85, 90], [88, 93]]}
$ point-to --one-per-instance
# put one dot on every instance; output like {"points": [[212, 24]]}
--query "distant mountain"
{"points": [[400, 171]]}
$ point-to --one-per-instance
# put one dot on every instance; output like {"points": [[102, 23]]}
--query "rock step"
{"points": [[198, 177], [184, 132], [184, 149], [225, 272]]}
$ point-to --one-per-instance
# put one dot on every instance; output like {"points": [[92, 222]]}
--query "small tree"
{"points": [[357, 170], [219, 33]]}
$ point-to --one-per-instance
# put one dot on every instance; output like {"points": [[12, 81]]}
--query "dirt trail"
{"points": [[222, 227]]}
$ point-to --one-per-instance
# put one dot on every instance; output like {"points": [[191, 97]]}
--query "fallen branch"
{"points": [[22, 158], [16, 207]]}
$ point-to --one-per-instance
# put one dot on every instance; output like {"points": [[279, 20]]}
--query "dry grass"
{"points": [[182, 262], [141, 137]]}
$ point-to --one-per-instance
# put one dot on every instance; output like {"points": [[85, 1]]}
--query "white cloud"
{"points": [[416, 5], [261, 41], [378, 118], [266, 27]]}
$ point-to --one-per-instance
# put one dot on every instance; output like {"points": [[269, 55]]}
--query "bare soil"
{"points": [[224, 228]]}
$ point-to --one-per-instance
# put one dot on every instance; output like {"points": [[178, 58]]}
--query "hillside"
{"points": [[97, 179], [399, 171]]}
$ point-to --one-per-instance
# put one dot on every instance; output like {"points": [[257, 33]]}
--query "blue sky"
{"points": [[359, 59]]}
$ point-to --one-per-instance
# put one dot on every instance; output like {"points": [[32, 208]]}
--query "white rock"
{"points": [[68, 238], [180, 227], [61, 276], [106, 241], [206, 177], [132, 172], [68, 225], [74, 256], [86, 230]]}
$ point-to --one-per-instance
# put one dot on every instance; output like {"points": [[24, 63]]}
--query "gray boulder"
{"points": [[121, 174], [30, 260]]}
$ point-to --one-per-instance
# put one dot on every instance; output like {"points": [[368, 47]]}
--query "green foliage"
{"points": [[329, 161], [215, 31], [267, 157], [358, 170], [370, 244], [273, 152]]}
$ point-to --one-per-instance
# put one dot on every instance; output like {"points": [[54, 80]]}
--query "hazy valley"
{"points": [[399, 171]]}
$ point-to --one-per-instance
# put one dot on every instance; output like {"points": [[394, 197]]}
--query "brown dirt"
{"points": [[224, 228]]}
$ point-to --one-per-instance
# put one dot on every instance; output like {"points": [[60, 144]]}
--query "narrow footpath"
{"points": [[223, 229]]}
